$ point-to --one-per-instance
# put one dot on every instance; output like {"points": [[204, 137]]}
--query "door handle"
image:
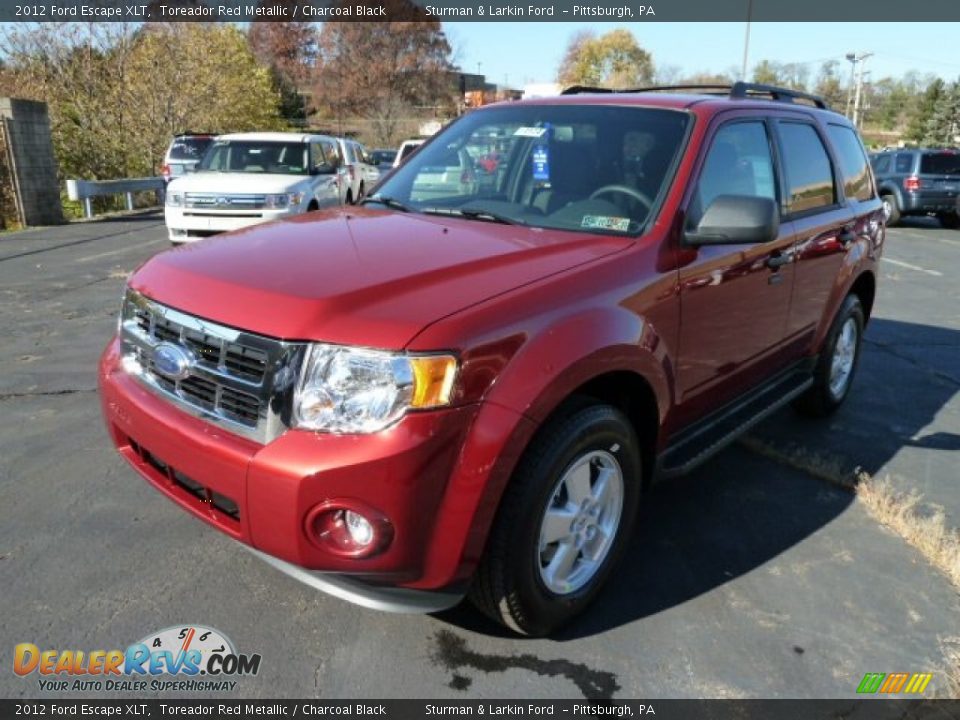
{"points": [[775, 262], [847, 235]]}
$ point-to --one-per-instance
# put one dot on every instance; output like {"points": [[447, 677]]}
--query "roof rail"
{"points": [[739, 91], [743, 90], [577, 89]]}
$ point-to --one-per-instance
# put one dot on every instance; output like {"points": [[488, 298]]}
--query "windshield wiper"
{"points": [[388, 201], [474, 214]]}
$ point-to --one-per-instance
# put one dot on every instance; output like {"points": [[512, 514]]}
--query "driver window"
{"points": [[738, 163]]}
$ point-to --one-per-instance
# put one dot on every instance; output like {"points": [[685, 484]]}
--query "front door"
{"points": [[734, 299]]}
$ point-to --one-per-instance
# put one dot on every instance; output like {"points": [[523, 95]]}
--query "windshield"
{"points": [[940, 163], [254, 156], [582, 167], [189, 148]]}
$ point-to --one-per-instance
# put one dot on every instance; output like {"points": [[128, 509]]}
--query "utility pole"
{"points": [[861, 59], [746, 42]]}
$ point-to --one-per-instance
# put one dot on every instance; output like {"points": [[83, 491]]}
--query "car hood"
{"points": [[359, 276], [217, 182]]}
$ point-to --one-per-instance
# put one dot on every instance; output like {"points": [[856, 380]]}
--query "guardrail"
{"points": [[86, 190]]}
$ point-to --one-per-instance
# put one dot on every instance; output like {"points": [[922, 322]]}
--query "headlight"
{"points": [[275, 202], [175, 199], [352, 390]]}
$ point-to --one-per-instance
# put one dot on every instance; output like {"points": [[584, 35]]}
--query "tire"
{"points": [[891, 208], [951, 221], [829, 390], [313, 206], [512, 586], [349, 199], [361, 193]]}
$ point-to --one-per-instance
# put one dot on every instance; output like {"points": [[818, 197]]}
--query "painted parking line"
{"points": [[935, 273]]}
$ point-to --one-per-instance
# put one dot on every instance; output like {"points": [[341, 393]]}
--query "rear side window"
{"points": [[881, 164], [738, 163], [807, 167], [940, 164], [904, 163], [853, 162], [190, 148]]}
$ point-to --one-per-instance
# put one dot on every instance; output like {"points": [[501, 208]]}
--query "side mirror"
{"points": [[323, 169], [736, 219]]}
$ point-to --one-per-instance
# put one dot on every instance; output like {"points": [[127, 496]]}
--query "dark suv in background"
{"points": [[919, 181]]}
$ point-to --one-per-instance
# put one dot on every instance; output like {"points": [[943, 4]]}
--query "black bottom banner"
{"points": [[853, 709]]}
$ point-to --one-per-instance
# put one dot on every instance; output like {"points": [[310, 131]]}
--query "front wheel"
{"points": [[837, 364], [563, 522]]}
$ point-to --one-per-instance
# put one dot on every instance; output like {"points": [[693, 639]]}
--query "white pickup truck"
{"points": [[249, 178]]}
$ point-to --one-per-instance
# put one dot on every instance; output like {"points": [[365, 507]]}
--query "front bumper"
{"points": [[261, 495], [187, 225]]}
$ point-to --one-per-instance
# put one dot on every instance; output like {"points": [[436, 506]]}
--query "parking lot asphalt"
{"points": [[747, 578]]}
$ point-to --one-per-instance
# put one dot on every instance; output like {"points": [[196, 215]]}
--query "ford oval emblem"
{"points": [[172, 361]]}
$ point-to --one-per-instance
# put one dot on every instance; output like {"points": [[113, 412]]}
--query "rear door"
{"points": [[734, 298], [824, 222]]}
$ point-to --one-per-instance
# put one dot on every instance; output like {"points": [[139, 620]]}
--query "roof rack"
{"points": [[738, 91]]}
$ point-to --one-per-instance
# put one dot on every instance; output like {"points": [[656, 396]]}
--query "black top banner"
{"points": [[619, 11]]}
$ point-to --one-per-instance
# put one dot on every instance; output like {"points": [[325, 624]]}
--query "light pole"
{"points": [[852, 57], [746, 42], [861, 59]]}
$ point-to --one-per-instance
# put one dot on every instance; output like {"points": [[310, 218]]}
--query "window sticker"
{"points": [[533, 132], [541, 163], [605, 222]]}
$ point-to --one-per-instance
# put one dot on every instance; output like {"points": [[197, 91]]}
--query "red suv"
{"points": [[466, 388]]}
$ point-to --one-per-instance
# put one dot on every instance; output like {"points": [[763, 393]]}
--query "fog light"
{"points": [[360, 529], [348, 529]]}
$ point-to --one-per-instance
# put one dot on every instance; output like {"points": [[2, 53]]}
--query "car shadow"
{"points": [[741, 510]]}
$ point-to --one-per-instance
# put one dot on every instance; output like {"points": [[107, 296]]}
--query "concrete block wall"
{"points": [[29, 145]]}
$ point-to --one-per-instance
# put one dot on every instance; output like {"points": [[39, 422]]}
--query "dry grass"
{"points": [[900, 511], [950, 687], [897, 510], [928, 533], [816, 464]]}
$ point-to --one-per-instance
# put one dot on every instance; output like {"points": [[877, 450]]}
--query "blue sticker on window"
{"points": [[541, 162]]}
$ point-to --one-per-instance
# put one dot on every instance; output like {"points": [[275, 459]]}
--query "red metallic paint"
{"points": [[532, 314]]}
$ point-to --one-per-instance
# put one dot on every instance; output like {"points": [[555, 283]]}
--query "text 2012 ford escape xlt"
{"points": [[465, 389]]}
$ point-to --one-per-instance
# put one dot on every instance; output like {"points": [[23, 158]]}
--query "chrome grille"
{"points": [[239, 380], [223, 201]]}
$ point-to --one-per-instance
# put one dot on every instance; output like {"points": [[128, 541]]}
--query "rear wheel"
{"points": [[349, 198], [313, 206], [361, 193], [890, 209], [951, 221], [837, 363], [563, 522]]}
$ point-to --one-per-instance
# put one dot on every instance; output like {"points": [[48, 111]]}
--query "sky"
{"points": [[519, 53]]}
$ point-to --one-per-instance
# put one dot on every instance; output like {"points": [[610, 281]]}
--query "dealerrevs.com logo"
{"points": [[198, 658]]}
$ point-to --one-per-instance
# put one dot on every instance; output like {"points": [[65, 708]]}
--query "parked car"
{"points": [[406, 149], [383, 159], [919, 181], [416, 400], [249, 178], [185, 151], [452, 173], [361, 170]]}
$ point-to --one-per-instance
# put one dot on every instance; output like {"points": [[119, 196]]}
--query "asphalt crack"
{"points": [[889, 349], [452, 652], [46, 393]]}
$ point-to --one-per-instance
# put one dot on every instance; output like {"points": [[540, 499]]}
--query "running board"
{"points": [[697, 444]]}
